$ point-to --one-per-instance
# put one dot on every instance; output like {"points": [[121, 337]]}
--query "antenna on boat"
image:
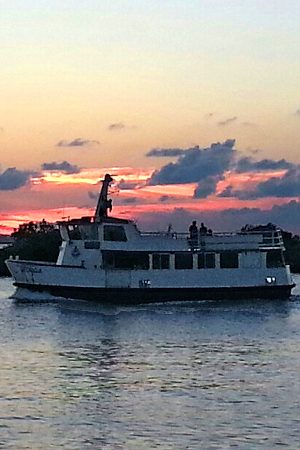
{"points": [[103, 202]]}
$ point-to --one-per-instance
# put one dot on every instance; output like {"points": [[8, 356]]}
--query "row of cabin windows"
{"points": [[161, 261]]}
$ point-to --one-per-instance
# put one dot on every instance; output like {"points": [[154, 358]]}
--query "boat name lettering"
{"points": [[31, 269]]}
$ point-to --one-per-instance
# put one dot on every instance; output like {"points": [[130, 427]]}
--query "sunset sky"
{"points": [[193, 106]]}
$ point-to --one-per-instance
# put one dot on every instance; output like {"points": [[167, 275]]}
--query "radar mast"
{"points": [[103, 202]]}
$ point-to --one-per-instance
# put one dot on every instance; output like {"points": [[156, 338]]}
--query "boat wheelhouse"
{"points": [[108, 259]]}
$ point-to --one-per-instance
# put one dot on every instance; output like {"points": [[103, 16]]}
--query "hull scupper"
{"points": [[108, 259]]}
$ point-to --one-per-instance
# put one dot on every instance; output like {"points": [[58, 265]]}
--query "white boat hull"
{"points": [[144, 286]]}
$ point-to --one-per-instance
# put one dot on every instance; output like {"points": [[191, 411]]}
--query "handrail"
{"points": [[276, 233], [270, 238]]}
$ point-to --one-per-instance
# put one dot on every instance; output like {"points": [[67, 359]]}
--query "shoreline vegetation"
{"points": [[40, 241]]}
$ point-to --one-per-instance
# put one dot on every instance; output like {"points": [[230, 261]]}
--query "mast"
{"points": [[103, 202]]}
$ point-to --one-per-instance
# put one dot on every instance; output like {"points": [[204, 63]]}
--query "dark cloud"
{"points": [[207, 187], [64, 166], [286, 186], [129, 200], [223, 123], [208, 166], [164, 198], [78, 142], [120, 126], [166, 152], [124, 185], [196, 165], [285, 216], [228, 192], [13, 178], [117, 126], [248, 164]]}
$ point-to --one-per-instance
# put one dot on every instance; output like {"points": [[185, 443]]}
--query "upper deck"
{"points": [[119, 234]]}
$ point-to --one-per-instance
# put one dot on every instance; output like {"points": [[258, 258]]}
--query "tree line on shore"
{"points": [[34, 241], [40, 241]]}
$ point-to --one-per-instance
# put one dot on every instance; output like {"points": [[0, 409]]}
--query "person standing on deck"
{"points": [[194, 232], [203, 229]]}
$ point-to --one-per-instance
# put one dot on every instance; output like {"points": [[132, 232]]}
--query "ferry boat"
{"points": [[107, 259]]}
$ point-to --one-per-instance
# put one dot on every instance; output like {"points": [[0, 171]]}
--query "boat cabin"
{"points": [[118, 244]]}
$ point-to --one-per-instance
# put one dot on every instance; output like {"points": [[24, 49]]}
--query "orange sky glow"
{"points": [[149, 90], [56, 196]]}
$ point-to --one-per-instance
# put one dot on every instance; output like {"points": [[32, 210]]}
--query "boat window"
{"points": [[183, 261], [114, 233], [125, 260], [89, 231], [160, 261], [206, 261], [275, 259], [74, 232], [229, 260], [92, 245]]}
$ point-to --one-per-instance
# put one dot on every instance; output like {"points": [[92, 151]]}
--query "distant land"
{"points": [[4, 238], [5, 241], [40, 241]]}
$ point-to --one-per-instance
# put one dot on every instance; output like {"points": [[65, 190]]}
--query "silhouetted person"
{"points": [[193, 231], [203, 229]]}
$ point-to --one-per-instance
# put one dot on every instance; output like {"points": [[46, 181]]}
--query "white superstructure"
{"points": [[109, 259]]}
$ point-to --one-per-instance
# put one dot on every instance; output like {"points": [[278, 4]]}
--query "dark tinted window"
{"points": [[114, 233], [108, 260], [275, 258], [183, 261], [160, 261], [229, 260], [201, 261], [126, 260], [89, 245], [74, 232], [206, 261], [89, 232], [210, 260]]}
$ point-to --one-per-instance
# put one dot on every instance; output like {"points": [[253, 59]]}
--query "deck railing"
{"points": [[269, 238]]}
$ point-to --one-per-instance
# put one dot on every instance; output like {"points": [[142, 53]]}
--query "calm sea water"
{"points": [[197, 376]]}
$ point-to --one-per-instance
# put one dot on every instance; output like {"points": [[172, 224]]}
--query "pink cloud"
{"points": [[56, 195]]}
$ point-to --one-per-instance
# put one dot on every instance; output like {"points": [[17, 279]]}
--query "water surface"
{"points": [[194, 376]]}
